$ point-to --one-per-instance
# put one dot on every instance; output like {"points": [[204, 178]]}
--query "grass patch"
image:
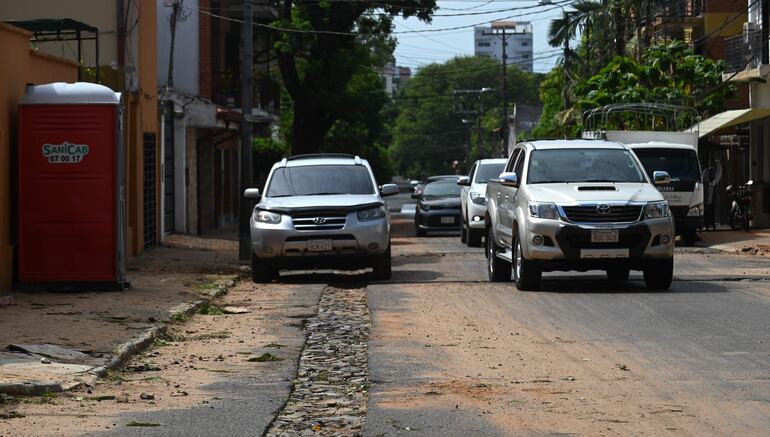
{"points": [[134, 423], [11, 415], [322, 375], [213, 335], [275, 345], [208, 309], [39, 401], [264, 358], [152, 379], [180, 318], [115, 377]]}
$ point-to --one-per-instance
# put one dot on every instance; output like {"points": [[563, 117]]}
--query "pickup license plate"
{"points": [[447, 220], [605, 236], [319, 245]]}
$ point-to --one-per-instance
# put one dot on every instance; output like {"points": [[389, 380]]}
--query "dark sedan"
{"points": [[439, 206]]}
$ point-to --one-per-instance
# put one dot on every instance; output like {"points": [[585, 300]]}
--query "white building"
{"points": [[394, 77], [488, 41]]}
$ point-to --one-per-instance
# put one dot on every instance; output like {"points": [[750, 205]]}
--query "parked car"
{"points": [[438, 208], [578, 205], [473, 199], [320, 211], [419, 186]]}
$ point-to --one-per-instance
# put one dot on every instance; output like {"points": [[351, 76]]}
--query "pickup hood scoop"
{"points": [[577, 193], [335, 202]]}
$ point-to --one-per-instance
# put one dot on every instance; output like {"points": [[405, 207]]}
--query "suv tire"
{"points": [[498, 269], [659, 274], [261, 271], [474, 237], [526, 274], [618, 274], [381, 269]]}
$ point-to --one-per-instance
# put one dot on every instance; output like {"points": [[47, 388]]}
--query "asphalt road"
{"points": [[452, 354]]}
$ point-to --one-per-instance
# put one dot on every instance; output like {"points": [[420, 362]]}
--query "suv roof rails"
{"points": [[355, 158]]}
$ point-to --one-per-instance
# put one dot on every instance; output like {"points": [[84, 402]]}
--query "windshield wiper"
{"points": [[324, 194], [599, 180]]}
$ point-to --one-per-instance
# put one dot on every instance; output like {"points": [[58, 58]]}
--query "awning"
{"points": [[727, 119]]}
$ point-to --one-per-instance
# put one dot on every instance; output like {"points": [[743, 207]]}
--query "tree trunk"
{"points": [[620, 30], [650, 23]]}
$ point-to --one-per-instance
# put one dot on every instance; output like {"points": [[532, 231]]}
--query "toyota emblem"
{"points": [[603, 209], [319, 220]]}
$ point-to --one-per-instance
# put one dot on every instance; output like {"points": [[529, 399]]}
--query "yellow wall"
{"points": [[27, 67], [723, 23]]}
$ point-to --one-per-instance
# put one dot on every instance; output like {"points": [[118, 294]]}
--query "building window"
{"points": [[524, 43], [483, 44]]}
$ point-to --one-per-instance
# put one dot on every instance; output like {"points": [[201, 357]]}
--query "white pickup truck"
{"points": [[577, 205]]}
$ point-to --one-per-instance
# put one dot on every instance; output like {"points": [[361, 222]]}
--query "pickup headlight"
{"points": [[372, 214], [267, 217], [695, 211], [544, 210], [656, 210], [478, 198]]}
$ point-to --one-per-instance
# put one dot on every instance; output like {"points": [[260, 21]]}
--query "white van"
{"points": [[677, 154]]}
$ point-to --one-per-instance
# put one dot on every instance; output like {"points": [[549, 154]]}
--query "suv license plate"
{"points": [[605, 236], [319, 245], [447, 220]]}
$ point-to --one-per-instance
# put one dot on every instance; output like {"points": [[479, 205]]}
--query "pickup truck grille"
{"points": [[591, 214], [322, 221]]}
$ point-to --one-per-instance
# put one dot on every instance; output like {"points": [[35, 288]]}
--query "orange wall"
{"points": [[27, 67]]}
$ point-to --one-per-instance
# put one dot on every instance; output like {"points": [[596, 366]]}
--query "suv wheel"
{"points": [[526, 275], [618, 274], [381, 269], [474, 237], [262, 271], [419, 232], [498, 269], [659, 274]]}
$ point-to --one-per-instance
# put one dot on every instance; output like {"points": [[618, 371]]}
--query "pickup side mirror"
{"points": [[464, 181], [510, 179], [661, 178], [252, 193], [389, 190]]}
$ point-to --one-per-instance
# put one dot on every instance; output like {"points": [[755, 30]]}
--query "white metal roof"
{"points": [[727, 119], [78, 93], [661, 145]]}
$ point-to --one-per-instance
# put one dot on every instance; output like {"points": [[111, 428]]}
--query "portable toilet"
{"points": [[70, 188]]}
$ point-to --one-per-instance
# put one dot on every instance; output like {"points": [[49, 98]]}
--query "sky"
{"points": [[431, 44]]}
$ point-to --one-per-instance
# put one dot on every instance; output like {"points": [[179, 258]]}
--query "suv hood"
{"points": [[572, 193], [336, 202]]}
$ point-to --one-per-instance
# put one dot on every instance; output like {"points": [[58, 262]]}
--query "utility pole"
{"points": [[176, 6], [502, 26], [247, 107]]}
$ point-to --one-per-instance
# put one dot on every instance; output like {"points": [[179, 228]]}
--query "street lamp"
{"points": [[566, 43]]}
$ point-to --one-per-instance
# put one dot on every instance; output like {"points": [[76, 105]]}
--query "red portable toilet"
{"points": [[70, 222]]}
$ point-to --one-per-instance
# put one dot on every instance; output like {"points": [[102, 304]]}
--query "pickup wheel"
{"points": [[381, 269], [619, 274], [525, 273], [261, 271], [498, 269], [474, 237], [659, 274]]}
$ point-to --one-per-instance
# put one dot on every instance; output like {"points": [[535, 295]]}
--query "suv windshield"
{"points": [[443, 188], [320, 180], [583, 165], [489, 171], [681, 164]]}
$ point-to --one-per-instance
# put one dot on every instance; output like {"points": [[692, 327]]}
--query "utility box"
{"points": [[70, 188]]}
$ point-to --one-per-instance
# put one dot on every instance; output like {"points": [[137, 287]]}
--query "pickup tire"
{"points": [[526, 274], [381, 268], [659, 274], [498, 269], [262, 271], [619, 274]]}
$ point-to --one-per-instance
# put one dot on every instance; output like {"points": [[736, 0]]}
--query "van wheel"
{"points": [[474, 237], [381, 269], [619, 274], [262, 271], [659, 274], [499, 270], [525, 273]]}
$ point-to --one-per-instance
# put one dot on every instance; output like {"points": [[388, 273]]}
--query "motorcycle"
{"points": [[739, 216]]}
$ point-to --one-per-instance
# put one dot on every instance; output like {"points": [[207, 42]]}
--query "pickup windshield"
{"points": [[681, 164], [489, 171], [320, 180], [583, 165]]}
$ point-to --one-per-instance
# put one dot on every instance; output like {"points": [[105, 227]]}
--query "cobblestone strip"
{"points": [[329, 394]]}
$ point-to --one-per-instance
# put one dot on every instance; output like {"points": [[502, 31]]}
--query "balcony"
{"points": [[744, 51], [680, 10], [227, 92]]}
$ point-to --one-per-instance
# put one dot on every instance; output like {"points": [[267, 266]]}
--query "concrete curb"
{"points": [[123, 353]]}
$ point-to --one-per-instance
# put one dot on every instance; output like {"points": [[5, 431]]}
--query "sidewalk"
{"points": [[57, 341], [756, 242]]}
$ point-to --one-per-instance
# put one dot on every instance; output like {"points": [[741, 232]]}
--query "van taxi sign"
{"points": [[65, 153]]}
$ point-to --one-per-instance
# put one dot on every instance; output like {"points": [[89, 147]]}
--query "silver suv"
{"points": [[320, 211]]}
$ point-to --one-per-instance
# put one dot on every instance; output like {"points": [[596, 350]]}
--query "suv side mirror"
{"points": [[389, 190], [661, 178], [252, 193], [464, 181], [510, 179]]}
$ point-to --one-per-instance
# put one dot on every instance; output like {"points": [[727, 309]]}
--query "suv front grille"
{"points": [[591, 214], [319, 221]]}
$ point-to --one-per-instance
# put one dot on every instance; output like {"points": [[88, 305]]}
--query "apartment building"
{"points": [[516, 36]]}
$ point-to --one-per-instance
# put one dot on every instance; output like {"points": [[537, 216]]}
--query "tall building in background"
{"points": [[518, 43], [394, 77]]}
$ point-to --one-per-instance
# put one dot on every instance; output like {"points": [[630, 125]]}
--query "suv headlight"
{"points": [[656, 210], [478, 198], [267, 217], [695, 211], [372, 214], [544, 210]]}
